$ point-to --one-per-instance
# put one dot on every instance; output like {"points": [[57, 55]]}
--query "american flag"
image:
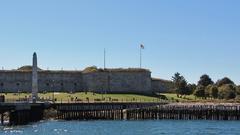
{"points": [[142, 46]]}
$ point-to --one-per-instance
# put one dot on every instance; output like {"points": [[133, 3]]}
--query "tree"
{"points": [[208, 90], [177, 78], [180, 84], [214, 92], [227, 91], [205, 80], [238, 90], [224, 81], [200, 91], [182, 88], [191, 88], [211, 91]]}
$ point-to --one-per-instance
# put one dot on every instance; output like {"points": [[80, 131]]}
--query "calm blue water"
{"points": [[164, 127]]}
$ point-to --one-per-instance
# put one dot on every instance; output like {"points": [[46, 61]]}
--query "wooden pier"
{"points": [[24, 113], [144, 111], [98, 111], [186, 112], [21, 113]]}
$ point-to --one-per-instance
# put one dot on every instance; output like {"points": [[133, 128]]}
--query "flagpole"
{"points": [[104, 58], [140, 57]]}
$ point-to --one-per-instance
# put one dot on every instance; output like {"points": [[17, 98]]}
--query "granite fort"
{"points": [[33, 79]]}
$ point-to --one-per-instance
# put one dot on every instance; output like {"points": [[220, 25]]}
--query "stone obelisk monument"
{"points": [[34, 79]]}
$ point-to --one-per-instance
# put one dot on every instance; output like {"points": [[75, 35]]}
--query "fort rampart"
{"points": [[104, 81]]}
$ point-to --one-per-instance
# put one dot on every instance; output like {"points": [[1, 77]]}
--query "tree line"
{"points": [[206, 88]]}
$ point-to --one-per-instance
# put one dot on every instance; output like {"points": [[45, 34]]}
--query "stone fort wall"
{"points": [[109, 81], [162, 86]]}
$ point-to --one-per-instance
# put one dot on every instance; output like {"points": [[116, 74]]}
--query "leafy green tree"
{"points": [[227, 91], [208, 91], [211, 91], [224, 81], [214, 92], [205, 80], [200, 91], [182, 88], [191, 88], [238, 90]]}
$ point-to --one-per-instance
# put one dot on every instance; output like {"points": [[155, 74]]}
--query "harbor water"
{"points": [[161, 127]]}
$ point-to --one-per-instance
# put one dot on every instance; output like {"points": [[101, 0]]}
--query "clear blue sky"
{"points": [[192, 37]]}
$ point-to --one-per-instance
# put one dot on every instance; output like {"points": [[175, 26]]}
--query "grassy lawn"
{"points": [[191, 98], [94, 97], [82, 96], [173, 97]]}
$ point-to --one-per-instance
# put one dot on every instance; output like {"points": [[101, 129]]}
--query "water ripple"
{"points": [[164, 127]]}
